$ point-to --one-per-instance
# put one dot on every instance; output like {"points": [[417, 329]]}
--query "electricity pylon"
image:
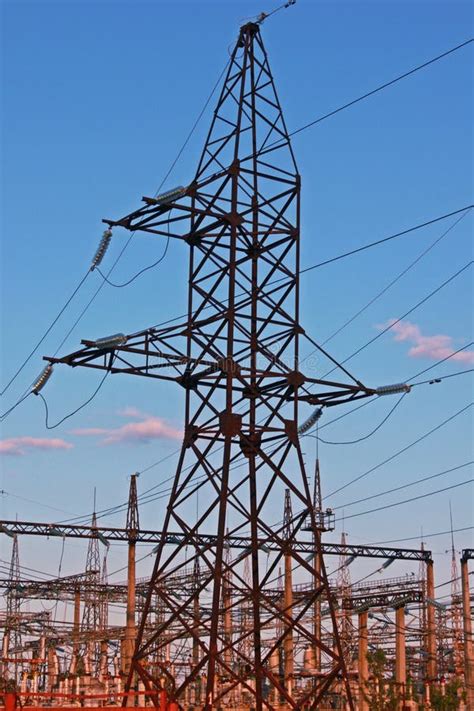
{"points": [[237, 358]]}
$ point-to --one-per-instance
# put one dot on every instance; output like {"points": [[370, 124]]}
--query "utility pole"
{"points": [[237, 359]]}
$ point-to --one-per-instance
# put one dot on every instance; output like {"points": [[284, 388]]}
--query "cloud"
{"points": [[133, 412], [434, 347], [18, 446], [148, 429]]}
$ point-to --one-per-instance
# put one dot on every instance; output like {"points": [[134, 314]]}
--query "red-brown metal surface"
{"points": [[237, 359]]}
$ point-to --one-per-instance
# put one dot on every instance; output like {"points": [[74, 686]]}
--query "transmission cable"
{"points": [[451, 355], [444, 377], [361, 439], [142, 271], [379, 88], [395, 279], [71, 414], [48, 330], [403, 486], [13, 407], [401, 451], [400, 318], [408, 501], [426, 535]]}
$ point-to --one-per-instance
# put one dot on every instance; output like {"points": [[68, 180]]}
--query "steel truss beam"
{"points": [[30, 528]]}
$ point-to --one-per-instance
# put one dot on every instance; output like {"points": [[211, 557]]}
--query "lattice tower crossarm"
{"points": [[237, 358]]}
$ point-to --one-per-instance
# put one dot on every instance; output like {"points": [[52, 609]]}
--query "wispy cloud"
{"points": [[149, 428], [133, 412], [18, 446], [434, 347]]}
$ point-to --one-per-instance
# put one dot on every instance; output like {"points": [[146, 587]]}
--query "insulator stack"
{"points": [[312, 419], [101, 249], [393, 389], [42, 379], [170, 195], [118, 339]]}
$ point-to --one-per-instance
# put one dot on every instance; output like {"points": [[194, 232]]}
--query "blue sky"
{"points": [[98, 98]]}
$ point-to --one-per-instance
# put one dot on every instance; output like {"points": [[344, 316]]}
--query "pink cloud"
{"points": [[17, 446], [133, 412], [150, 428], [434, 347]]}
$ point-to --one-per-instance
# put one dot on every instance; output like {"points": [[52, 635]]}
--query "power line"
{"points": [[408, 501], [66, 417], [401, 451], [139, 273], [361, 439], [48, 330], [394, 280], [380, 88], [385, 239], [443, 360], [426, 535], [13, 407], [403, 486], [407, 313], [444, 377]]}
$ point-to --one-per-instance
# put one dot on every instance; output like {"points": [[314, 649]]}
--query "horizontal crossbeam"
{"points": [[205, 540]]}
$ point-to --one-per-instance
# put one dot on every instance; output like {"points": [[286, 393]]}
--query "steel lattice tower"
{"points": [[237, 359], [12, 641]]}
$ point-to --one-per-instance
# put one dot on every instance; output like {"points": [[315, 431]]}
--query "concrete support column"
{"points": [[400, 654], [104, 660], [431, 624], [467, 626], [76, 625], [51, 678], [363, 662], [288, 641], [130, 628]]}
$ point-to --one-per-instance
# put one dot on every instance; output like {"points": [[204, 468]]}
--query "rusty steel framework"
{"points": [[237, 358]]}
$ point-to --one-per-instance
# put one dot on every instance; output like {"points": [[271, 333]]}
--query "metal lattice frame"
{"points": [[237, 359]]}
